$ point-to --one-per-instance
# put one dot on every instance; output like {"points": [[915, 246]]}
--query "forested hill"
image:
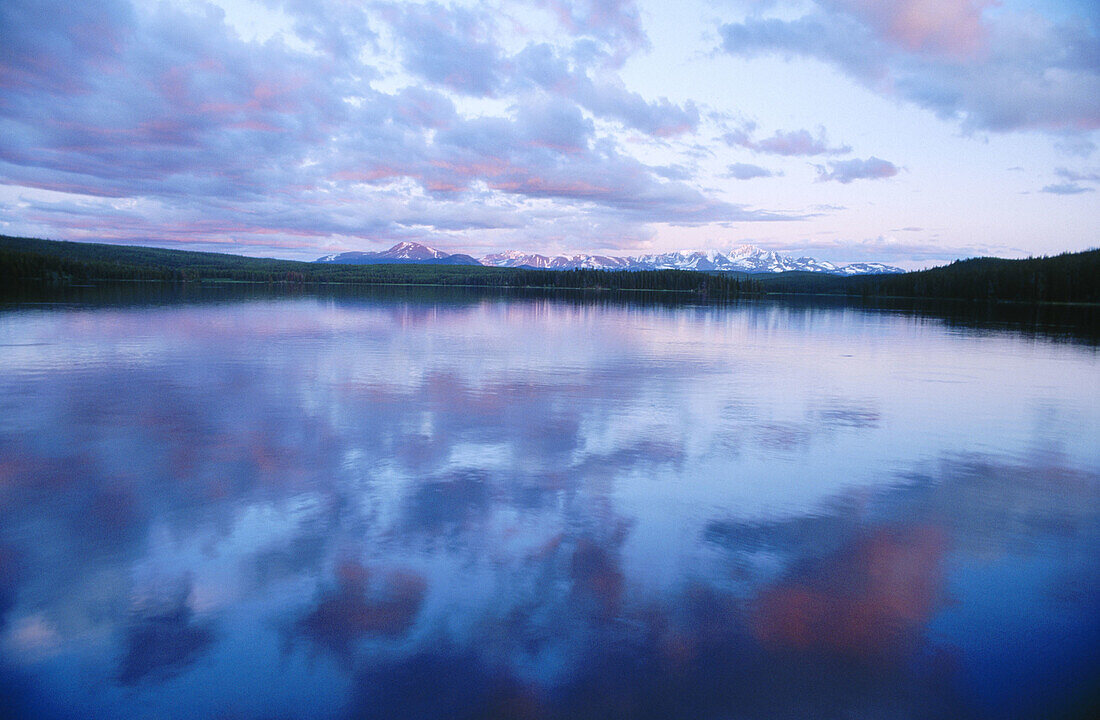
{"points": [[1070, 277], [29, 260]]}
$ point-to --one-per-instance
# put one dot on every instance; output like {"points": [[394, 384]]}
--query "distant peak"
{"points": [[407, 249], [744, 258]]}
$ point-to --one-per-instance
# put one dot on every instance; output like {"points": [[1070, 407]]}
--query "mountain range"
{"points": [[744, 258]]}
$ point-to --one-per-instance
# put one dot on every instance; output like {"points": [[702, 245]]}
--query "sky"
{"points": [[912, 132]]}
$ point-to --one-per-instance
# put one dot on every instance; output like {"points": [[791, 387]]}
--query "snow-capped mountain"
{"points": [[401, 253], [513, 258], [870, 268], [744, 258]]}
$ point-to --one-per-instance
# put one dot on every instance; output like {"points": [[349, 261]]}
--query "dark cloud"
{"points": [[1001, 73], [745, 171], [845, 171]]}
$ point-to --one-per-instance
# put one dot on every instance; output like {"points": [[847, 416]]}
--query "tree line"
{"points": [[30, 260], [1067, 278]]}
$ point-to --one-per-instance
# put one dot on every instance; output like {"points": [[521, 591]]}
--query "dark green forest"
{"points": [[1069, 277], [1066, 278], [29, 260]]}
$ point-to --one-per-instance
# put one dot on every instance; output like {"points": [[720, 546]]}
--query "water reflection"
{"points": [[397, 507], [161, 638]]}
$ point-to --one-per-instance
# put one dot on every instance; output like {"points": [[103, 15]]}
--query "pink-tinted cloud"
{"points": [[953, 28], [175, 129], [1003, 73]]}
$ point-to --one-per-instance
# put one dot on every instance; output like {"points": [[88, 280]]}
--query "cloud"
{"points": [[165, 125], [540, 65], [555, 125], [455, 48], [451, 46], [422, 108], [339, 29], [745, 171], [938, 28], [1077, 176], [674, 172], [171, 104], [1000, 72], [1068, 188], [548, 152], [845, 171], [795, 142], [615, 24], [660, 118], [1076, 145], [888, 248]]}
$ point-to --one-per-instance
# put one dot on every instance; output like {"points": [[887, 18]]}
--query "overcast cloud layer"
{"points": [[289, 128]]}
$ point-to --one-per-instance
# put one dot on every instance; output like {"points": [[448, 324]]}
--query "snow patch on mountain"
{"points": [[743, 258]]}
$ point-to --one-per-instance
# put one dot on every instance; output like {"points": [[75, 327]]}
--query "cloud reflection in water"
{"points": [[538, 509]]}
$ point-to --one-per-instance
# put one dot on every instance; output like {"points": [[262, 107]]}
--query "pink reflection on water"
{"points": [[865, 600]]}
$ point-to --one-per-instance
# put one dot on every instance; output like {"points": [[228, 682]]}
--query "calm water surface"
{"points": [[319, 507]]}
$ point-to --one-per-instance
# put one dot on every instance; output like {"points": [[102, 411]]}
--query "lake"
{"points": [[403, 504]]}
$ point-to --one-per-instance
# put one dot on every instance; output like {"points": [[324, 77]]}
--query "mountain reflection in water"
{"points": [[402, 507]]}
